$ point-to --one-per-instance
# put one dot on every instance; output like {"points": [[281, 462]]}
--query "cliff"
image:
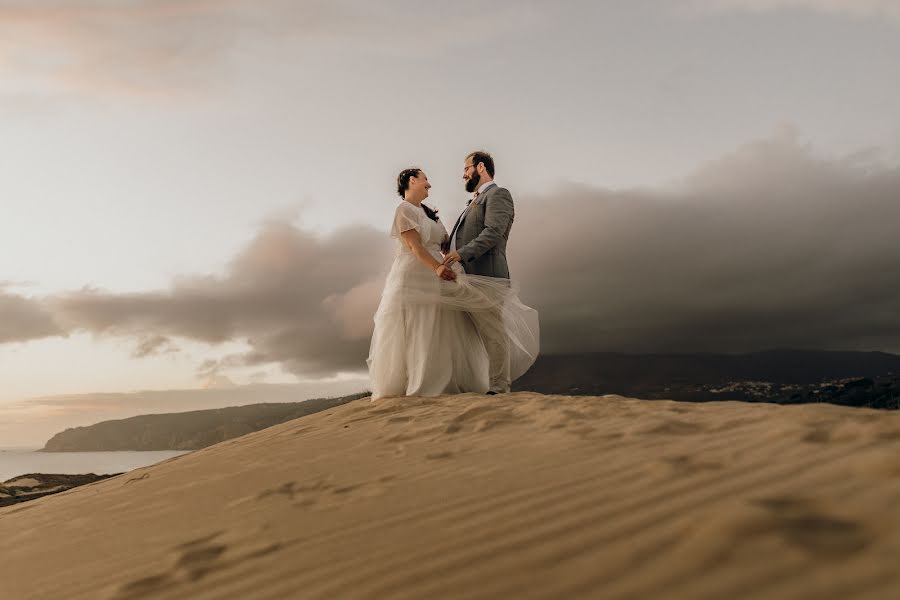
{"points": [[187, 430]]}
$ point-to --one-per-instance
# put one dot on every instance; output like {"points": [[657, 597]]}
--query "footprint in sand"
{"points": [[481, 418], [324, 493], [675, 427], [732, 424], [803, 524], [409, 435], [795, 521], [194, 560], [831, 432], [577, 423], [401, 419]]}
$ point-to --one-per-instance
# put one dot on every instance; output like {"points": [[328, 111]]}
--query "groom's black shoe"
{"points": [[492, 393]]}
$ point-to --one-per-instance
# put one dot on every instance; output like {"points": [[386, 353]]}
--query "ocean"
{"points": [[19, 461]]}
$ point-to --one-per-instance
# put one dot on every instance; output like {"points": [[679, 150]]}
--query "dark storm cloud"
{"points": [[769, 246]]}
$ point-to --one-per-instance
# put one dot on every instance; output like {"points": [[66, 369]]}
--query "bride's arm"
{"points": [[414, 242]]}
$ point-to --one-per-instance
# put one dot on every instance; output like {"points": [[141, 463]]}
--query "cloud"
{"points": [[153, 345], [769, 246], [856, 8], [354, 308], [129, 46], [159, 48], [297, 299], [23, 318]]}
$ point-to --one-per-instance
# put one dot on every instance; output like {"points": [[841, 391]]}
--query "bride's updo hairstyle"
{"points": [[403, 185]]}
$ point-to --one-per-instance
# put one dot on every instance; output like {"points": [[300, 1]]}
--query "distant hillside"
{"points": [[186, 430], [38, 419], [789, 376]]}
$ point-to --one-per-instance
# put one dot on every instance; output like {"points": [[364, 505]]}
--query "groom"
{"points": [[478, 243]]}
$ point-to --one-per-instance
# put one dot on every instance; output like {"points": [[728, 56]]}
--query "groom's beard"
{"points": [[472, 184]]}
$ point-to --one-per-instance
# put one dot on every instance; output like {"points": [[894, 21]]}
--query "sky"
{"points": [[198, 192]]}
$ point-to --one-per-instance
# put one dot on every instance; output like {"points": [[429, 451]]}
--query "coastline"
{"points": [[17, 462]]}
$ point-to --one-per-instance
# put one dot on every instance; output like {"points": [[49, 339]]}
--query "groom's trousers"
{"points": [[490, 326]]}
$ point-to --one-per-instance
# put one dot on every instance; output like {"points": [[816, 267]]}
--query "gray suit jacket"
{"points": [[482, 234]]}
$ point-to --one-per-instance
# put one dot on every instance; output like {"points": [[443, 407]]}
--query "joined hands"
{"points": [[445, 272], [451, 257]]}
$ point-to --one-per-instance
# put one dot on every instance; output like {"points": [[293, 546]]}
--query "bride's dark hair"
{"points": [[403, 185]]}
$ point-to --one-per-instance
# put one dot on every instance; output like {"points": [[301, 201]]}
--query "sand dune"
{"points": [[519, 496]]}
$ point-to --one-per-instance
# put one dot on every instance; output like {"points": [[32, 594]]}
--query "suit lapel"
{"points": [[465, 213], [483, 195], [479, 200]]}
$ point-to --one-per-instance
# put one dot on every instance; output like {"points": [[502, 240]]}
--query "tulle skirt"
{"points": [[430, 335]]}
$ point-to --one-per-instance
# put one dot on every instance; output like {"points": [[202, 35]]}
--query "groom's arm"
{"points": [[498, 215]]}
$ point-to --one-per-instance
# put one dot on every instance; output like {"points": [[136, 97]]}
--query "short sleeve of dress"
{"points": [[405, 218]]}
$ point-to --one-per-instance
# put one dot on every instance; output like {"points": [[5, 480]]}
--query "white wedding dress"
{"points": [[425, 342]]}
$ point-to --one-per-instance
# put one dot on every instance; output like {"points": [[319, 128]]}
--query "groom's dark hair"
{"points": [[480, 156]]}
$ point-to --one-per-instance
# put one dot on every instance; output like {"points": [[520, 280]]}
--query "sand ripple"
{"points": [[516, 496]]}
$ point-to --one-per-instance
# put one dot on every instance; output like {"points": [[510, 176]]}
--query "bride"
{"points": [[425, 341]]}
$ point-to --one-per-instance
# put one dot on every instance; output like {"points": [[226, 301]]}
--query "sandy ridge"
{"points": [[482, 497]]}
